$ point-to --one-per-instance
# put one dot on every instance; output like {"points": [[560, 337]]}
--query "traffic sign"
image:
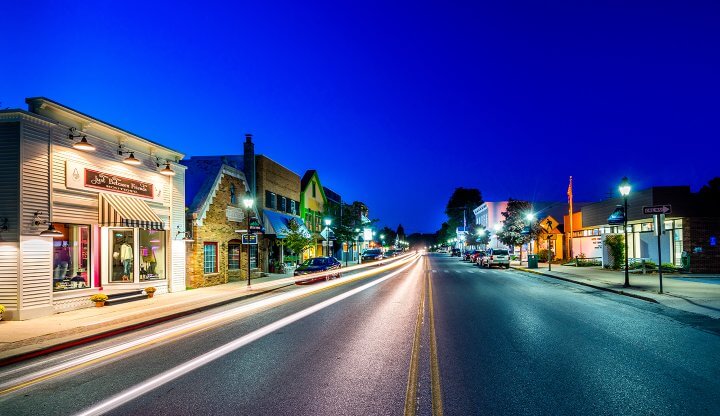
{"points": [[249, 239], [657, 209]]}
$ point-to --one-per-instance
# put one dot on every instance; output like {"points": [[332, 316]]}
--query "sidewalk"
{"points": [[74, 327], [697, 294]]}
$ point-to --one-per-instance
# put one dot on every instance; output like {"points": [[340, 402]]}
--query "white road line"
{"points": [[170, 375]]}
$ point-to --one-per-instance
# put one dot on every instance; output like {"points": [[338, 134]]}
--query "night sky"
{"points": [[396, 105]]}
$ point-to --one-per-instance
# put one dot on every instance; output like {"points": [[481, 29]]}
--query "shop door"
{"points": [[122, 259]]}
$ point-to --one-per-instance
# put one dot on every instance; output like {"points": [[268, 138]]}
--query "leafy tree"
{"points": [[462, 202], [400, 233], [484, 238], [296, 238], [444, 234], [389, 235], [515, 222]]}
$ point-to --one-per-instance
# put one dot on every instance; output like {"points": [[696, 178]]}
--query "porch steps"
{"points": [[124, 297]]}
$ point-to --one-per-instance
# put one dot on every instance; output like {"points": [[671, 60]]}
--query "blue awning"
{"points": [[277, 223]]}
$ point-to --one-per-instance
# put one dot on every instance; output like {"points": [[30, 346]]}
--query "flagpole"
{"points": [[570, 203]]}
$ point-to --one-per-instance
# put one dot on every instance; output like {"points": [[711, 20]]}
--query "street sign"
{"points": [[618, 216], [249, 239], [255, 224], [657, 209]]}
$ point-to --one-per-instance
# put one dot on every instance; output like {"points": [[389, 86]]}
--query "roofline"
{"points": [[45, 100]]}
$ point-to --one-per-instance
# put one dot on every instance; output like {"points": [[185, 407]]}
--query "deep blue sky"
{"points": [[396, 105]]}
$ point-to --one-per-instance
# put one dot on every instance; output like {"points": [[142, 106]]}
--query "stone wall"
{"points": [[217, 229]]}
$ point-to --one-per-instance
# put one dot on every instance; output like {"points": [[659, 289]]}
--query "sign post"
{"points": [[658, 212]]}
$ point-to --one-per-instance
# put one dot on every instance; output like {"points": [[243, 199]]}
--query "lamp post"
{"points": [[624, 189], [328, 221], [248, 202], [357, 238], [530, 217]]}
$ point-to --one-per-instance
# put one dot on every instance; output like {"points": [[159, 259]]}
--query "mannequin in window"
{"points": [[126, 257], [62, 261]]}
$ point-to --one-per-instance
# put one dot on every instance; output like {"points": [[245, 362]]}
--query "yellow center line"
{"points": [[437, 407], [413, 373]]}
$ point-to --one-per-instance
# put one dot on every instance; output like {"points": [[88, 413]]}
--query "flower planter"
{"points": [[150, 294], [99, 304]]}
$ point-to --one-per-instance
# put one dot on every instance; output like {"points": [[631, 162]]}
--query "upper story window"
{"points": [[233, 195], [281, 205], [313, 191], [270, 200]]}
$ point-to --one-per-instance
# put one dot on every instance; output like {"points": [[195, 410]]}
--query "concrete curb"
{"points": [[607, 289], [12, 359]]}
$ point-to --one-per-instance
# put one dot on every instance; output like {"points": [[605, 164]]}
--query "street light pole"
{"points": [[248, 202], [625, 191]]}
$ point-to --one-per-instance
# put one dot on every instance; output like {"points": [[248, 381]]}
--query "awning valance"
{"points": [[125, 211], [277, 223]]}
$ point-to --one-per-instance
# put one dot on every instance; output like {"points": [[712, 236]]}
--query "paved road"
{"points": [[507, 343]]}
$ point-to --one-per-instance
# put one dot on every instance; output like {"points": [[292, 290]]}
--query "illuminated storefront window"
{"points": [[71, 257]]}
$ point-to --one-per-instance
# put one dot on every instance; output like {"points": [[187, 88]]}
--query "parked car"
{"points": [[468, 254], [495, 257], [455, 252], [392, 253], [372, 254], [317, 265], [476, 255]]}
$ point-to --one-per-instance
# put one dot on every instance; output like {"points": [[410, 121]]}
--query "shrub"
{"points": [[2, 309], [616, 250], [150, 289], [669, 267], [544, 254], [98, 297]]}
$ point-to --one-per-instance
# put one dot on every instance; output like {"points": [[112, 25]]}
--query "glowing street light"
{"points": [[624, 189]]}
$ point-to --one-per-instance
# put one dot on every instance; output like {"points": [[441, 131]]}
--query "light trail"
{"points": [[62, 368], [170, 375]]}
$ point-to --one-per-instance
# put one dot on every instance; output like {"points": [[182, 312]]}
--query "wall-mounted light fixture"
{"points": [[3, 224], [131, 159], [185, 234], [167, 170], [51, 231], [82, 144]]}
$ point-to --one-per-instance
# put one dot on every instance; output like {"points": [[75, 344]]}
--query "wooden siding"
{"points": [[177, 217], [8, 274], [9, 179], [34, 174], [36, 271]]}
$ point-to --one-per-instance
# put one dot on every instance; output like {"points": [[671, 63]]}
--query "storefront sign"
{"points": [[96, 178], [248, 239], [118, 184]]}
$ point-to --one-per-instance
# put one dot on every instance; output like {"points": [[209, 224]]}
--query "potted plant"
{"points": [[2, 309], [150, 291], [99, 299]]}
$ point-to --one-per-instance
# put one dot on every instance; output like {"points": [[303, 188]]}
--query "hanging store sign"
{"points": [[118, 184]]}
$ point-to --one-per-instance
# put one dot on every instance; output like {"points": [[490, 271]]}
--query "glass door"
{"points": [[122, 260]]}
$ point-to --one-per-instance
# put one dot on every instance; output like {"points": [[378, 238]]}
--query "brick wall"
{"points": [[216, 228], [696, 234], [275, 178]]}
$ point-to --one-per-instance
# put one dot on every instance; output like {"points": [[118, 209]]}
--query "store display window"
{"points": [[71, 257], [152, 255], [122, 266]]}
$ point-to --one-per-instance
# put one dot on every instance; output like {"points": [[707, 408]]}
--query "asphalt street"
{"points": [[506, 342]]}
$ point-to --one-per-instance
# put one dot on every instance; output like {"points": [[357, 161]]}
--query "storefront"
{"points": [[107, 215]]}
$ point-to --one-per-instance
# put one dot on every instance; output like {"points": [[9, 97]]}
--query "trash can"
{"points": [[533, 261]]}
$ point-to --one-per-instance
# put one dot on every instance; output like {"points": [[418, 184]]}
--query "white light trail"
{"points": [[167, 376]]}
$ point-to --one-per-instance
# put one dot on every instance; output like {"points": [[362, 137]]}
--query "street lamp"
{"points": [[248, 202], [328, 221], [624, 189], [530, 217]]}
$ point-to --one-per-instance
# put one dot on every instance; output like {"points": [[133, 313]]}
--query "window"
{"points": [[293, 207], [313, 191], [234, 255], [210, 258], [233, 195], [253, 256], [152, 255], [270, 200], [281, 206], [71, 257], [122, 261]]}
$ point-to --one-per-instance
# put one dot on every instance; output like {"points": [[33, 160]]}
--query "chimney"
{"points": [[249, 163]]}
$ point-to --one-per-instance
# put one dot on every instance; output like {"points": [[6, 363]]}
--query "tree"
{"points": [[515, 222], [443, 234], [400, 233], [460, 206], [482, 238], [296, 238], [389, 235]]}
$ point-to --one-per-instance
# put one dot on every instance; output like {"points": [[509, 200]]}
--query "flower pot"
{"points": [[99, 304], [150, 294]]}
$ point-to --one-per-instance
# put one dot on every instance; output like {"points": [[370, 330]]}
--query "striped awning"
{"points": [[125, 211]]}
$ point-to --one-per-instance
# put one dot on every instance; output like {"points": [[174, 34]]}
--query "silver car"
{"points": [[495, 257]]}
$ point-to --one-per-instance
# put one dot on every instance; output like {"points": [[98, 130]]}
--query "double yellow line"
{"points": [[411, 403]]}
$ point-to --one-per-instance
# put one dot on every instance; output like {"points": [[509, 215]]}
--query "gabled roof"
{"points": [[202, 179], [307, 178], [332, 195]]}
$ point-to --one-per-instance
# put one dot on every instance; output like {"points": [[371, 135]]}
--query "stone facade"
{"points": [[699, 234], [216, 228]]}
